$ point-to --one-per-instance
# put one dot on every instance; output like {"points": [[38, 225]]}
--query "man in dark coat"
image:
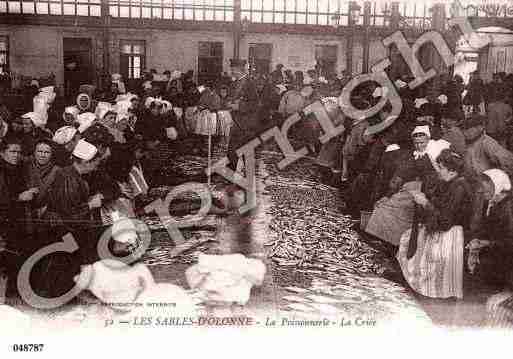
{"points": [[244, 105]]}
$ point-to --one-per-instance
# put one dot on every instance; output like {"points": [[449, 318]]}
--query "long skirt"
{"points": [[436, 269], [391, 218], [224, 123], [329, 154], [206, 123], [502, 316]]}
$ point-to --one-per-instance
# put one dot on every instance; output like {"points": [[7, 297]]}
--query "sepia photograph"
{"points": [[277, 166]]}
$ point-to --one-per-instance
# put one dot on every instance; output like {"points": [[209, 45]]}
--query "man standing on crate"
{"points": [[243, 103]]}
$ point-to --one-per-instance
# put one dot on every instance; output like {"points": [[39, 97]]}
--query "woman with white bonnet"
{"points": [[33, 129], [70, 207], [490, 242], [118, 80], [65, 139], [70, 115], [431, 252], [393, 214]]}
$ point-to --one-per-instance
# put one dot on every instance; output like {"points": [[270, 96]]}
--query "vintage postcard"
{"points": [[266, 166]]}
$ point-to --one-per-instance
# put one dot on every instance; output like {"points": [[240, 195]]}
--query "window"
{"points": [[133, 59], [4, 54], [326, 57]]}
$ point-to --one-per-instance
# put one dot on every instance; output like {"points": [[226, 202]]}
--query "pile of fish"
{"points": [[309, 231], [328, 245]]}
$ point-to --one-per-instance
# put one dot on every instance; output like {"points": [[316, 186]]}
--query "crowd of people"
{"points": [[433, 182]]}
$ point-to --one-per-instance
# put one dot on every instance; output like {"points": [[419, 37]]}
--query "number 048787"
{"points": [[28, 347]]}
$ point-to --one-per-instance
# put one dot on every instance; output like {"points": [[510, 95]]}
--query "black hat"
{"points": [[474, 121], [237, 63], [376, 126]]}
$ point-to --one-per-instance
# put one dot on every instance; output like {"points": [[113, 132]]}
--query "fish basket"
{"points": [[364, 219]]}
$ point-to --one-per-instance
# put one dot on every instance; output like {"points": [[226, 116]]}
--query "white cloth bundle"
{"points": [[112, 282], [226, 278]]}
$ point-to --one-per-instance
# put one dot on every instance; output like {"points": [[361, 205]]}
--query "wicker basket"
{"points": [[364, 219]]}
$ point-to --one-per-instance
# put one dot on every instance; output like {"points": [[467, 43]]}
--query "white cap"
{"points": [[64, 135], [101, 109], [443, 99], [84, 150], [147, 85], [151, 100], [422, 129], [116, 77], [167, 106], [434, 148], [36, 118], [34, 82], [85, 121], [72, 110], [420, 101], [201, 88]]}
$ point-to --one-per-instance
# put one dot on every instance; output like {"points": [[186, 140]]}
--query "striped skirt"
{"points": [[436, 269], [206, 123], [502, 316]]}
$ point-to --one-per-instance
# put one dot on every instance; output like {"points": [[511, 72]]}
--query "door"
{"points": [[210, 62], [326, 57], [260, 58], [78, 67]]}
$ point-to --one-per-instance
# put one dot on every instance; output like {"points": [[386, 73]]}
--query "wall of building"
{"points": [[38, 50], [168, 50]]}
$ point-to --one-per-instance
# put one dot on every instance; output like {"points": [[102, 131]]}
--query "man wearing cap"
{"points": [[483, 152], [499, 116], [277, 75], [244, 105], [362, 187]]}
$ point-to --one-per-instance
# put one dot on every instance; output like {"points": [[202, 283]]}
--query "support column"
{"points": [[105, 41], [438, 23], [396, 70], [350, 40], [237, 29], [366, 38]]}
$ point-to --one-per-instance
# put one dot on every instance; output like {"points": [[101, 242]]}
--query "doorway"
{"points": [[210, 62], [77, 64], [260, 58]]}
